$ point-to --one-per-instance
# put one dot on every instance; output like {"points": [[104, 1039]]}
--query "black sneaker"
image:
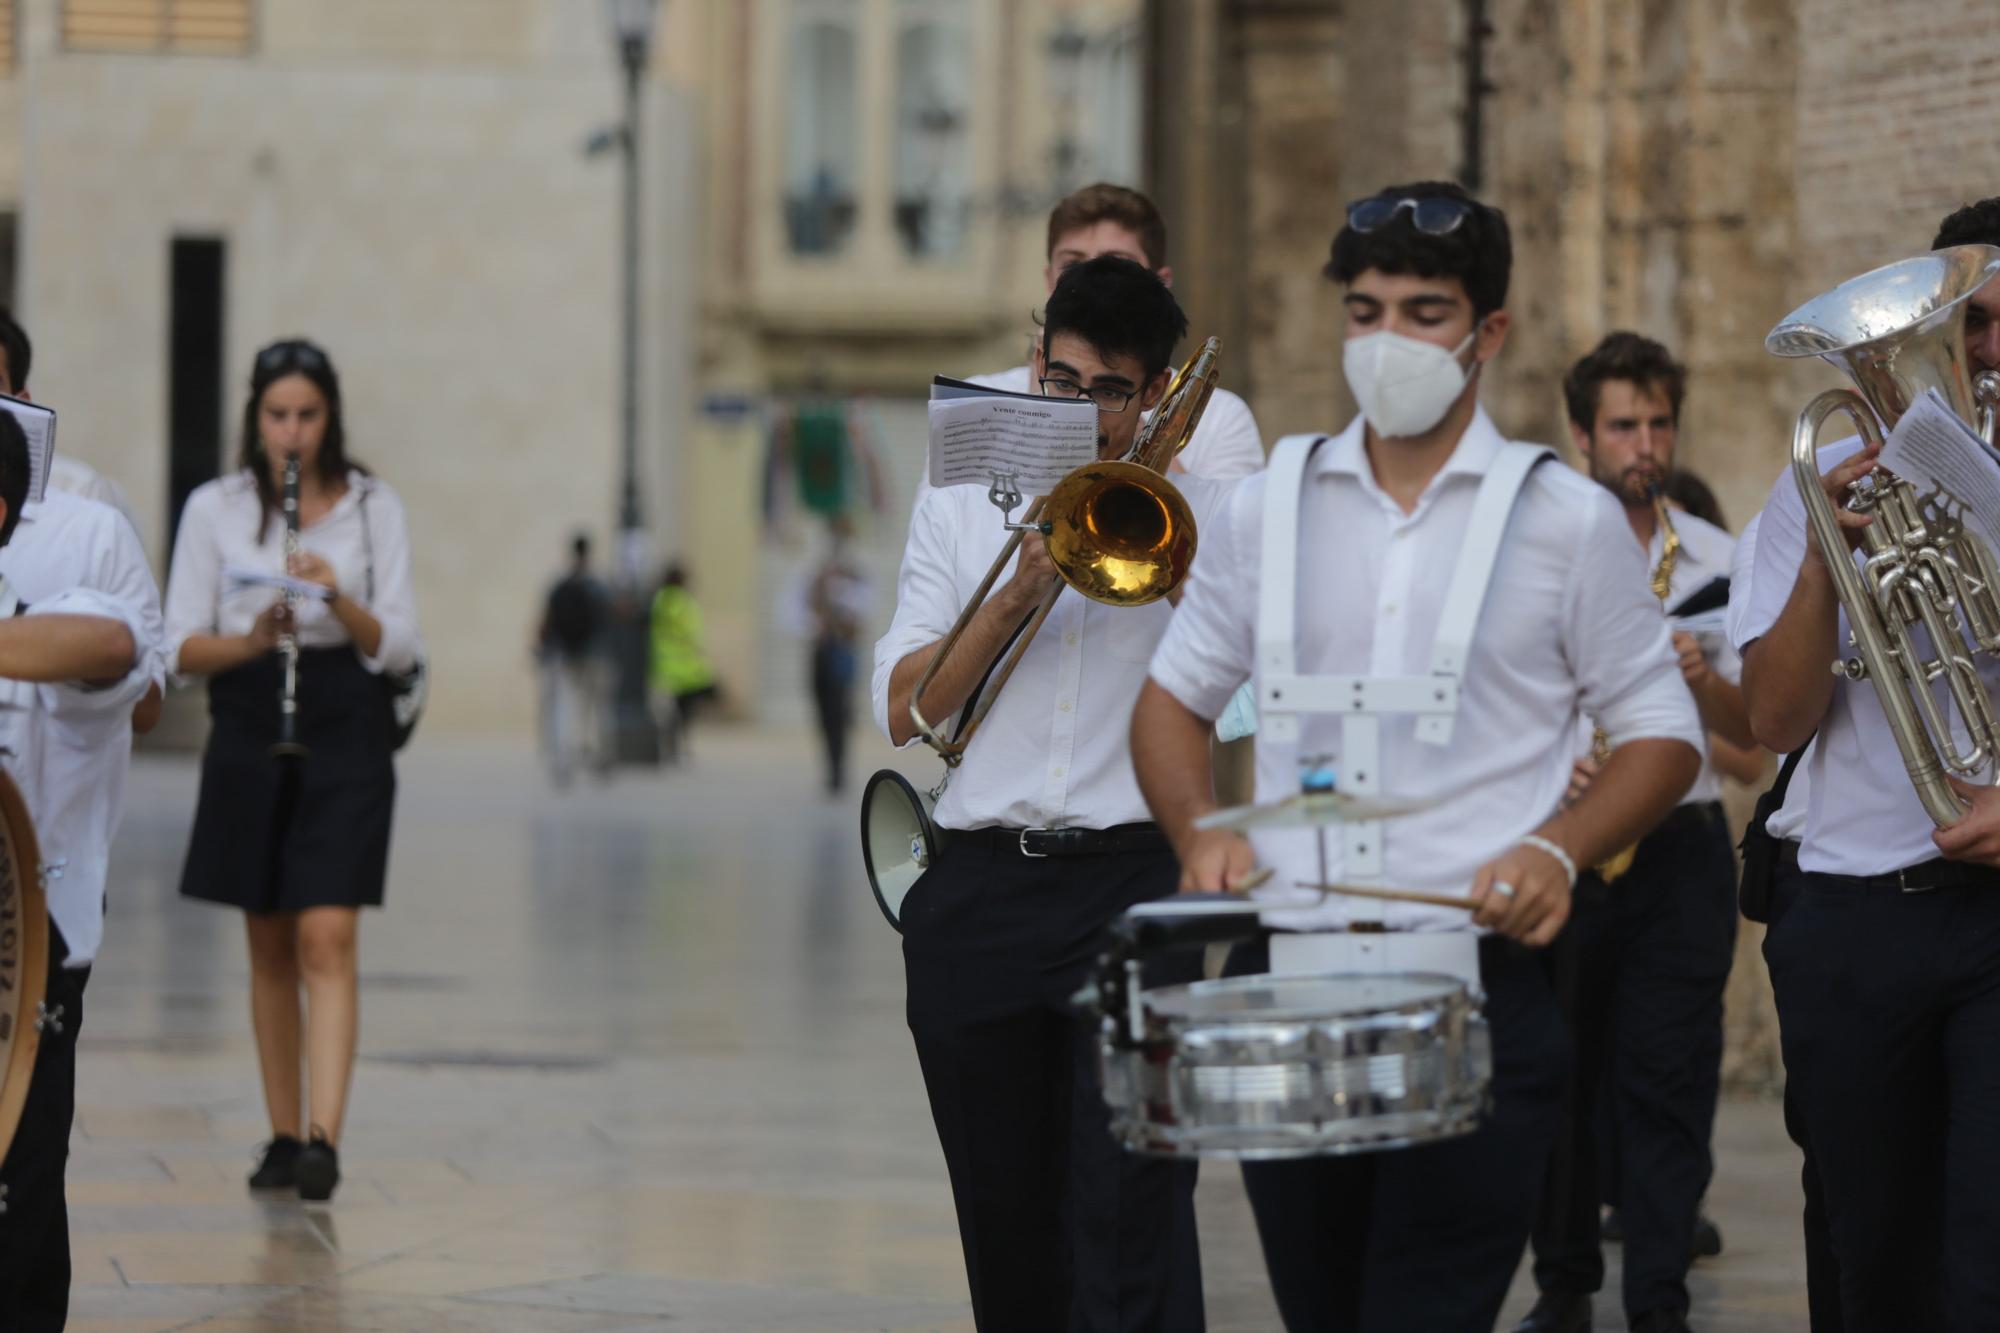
{"points": [[1707, 1238], [318, 1169], [278, 1169]]}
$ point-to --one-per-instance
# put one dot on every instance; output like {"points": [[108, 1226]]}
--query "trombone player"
{"points": [[1050, 841], [1886, 960]]}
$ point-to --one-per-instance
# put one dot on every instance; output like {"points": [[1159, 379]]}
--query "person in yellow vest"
{"points": [[682, 676]]}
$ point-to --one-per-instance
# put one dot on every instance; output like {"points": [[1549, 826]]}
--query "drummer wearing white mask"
{"points": [[1463, 605]]}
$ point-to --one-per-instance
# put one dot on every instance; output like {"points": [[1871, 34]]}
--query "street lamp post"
{"points": [[632, 23], [636, 739]]}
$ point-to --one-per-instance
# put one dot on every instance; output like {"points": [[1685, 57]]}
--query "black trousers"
{"points": [[1822, 1269], [34, 1231], [1889, 1011], [833, 669], [1423, 1238], [1061, 1228], [1640, 970]]}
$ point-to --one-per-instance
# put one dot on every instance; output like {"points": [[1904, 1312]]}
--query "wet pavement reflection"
{"points": [[632, 1057]]}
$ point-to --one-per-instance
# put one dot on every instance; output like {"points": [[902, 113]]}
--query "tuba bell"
{"points": [[1899, 333]]}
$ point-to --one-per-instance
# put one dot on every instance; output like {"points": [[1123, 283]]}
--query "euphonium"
{"points": [[1662, 584], [1899, 332], [288, 746]]}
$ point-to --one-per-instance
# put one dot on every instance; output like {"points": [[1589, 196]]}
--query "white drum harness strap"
{"points": [[1284, 695]]}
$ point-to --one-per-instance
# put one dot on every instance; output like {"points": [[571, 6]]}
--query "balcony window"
{"points": [[821, 147], [933, 167]]}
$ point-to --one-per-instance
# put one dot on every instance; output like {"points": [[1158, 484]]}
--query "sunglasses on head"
{"points": [[1435, 216], [290, 353]]}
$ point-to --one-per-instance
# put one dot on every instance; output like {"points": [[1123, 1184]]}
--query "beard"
{"points": [[1635, 485]]}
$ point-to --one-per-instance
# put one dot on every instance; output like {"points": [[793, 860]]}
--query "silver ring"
{"points": [[1503, 888]]}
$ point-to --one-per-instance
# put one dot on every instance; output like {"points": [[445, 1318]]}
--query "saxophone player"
{"points": [[1885, 956], [1642, 964]]}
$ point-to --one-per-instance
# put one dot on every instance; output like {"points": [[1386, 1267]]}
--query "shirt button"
{"points": [[1070, 638], [1389, 609], [1064, 705], [1056, 772]]}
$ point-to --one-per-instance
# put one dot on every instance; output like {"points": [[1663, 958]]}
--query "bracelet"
{"points": [[1541, 844]]}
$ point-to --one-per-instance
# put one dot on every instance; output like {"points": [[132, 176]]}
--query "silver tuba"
{"points": [[1899, 332]]}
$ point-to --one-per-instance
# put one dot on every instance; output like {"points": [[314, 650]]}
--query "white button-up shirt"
{"points": [[1568, 626], [1225, 445], [67, 747], [1054, 752], [66, 541], [1788, 821], [220, 529], [1862, 816], [1707, 553]]}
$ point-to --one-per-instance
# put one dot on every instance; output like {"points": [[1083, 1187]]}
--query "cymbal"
{"points": [[1306, 810]]}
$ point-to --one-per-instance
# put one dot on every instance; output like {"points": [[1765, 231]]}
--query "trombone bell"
{"points": [[1120, 533]]}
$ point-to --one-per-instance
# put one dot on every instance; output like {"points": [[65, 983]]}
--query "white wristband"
{"points": [[1541, 844]]}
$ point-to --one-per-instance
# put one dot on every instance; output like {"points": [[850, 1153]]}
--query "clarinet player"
{"points": [[298, 842]]}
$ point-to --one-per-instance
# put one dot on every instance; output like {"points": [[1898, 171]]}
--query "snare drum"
{"points": [[1298, 1066]]}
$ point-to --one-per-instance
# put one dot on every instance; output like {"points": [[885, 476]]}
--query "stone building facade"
{"points": [[405, 183]]}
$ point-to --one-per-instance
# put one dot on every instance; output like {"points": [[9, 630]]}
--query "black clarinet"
{"points": [[288, 746]]}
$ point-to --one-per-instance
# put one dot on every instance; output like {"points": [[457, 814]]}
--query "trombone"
{"points": [[1117, 531]]}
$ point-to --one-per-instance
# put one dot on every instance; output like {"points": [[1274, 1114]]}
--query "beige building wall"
{"points": [[404, 183], [870, 322]]}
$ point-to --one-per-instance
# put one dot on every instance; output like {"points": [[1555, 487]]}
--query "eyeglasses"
{"points": [[1435, 216], [295, 353], [1107, 398]]}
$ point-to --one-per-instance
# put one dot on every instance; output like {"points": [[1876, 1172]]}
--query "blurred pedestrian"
{"points": [[837, 601], [300, 844], [575, 678], [682, 677]]}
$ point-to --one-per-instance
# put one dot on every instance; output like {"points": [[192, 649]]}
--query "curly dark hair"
{"points": [[1120, 308], [1626, 356], [1479, 252], [1974, 224], [20, 352], [14, 469]]}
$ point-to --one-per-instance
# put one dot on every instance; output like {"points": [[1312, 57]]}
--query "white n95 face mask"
{"points": [[1403, 385]]}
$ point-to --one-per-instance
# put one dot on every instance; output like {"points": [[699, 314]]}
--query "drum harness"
{"points": [[1285, 696]]}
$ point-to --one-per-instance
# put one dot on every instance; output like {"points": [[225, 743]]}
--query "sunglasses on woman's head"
{"points": [[1435, 216], [292, 352]]}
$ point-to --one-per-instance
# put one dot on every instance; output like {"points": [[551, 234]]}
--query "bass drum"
{"points": [[24, 957], [898, 840]]}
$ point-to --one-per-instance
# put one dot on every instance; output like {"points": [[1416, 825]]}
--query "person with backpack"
{"points": [[571, 645]]}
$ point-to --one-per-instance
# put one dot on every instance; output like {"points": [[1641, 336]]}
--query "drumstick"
{"points": [[1393, 895]]}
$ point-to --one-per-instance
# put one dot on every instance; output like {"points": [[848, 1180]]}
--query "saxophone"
{"points": [[1662, 584]]}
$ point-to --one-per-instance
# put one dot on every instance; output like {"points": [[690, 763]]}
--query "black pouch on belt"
{"points": [[1760, 849]]}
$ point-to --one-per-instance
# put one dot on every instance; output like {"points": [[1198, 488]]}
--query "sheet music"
{"points": [[1039, 440], [38, 423], [1932, 448], [239, 578]]}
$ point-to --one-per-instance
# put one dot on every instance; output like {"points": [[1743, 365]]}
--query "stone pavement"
{"points": [[632, 1058]]}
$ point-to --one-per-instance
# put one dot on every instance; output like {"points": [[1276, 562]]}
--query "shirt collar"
{"points": [[1346, 454]]}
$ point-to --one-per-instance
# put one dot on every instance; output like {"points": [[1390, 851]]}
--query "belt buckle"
{"points": [[1903, 883], [1038, 856]]}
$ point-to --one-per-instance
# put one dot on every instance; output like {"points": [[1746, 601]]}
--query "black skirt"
{"points": [[281, 836]]}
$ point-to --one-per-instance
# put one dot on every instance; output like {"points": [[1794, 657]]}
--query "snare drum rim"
{"points": [[1453, 993]]}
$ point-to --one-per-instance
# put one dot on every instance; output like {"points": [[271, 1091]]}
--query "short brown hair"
{"points": [[1103, 202], [1622, 356]]}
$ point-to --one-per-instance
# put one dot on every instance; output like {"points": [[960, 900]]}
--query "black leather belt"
{"points": [[1039, 842], [1936, 873]]}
